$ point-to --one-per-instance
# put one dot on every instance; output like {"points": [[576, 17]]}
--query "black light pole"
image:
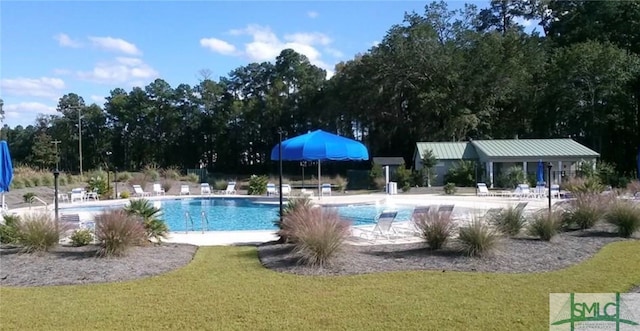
{"points": [[549, 166], [108, 170], [280, 172], [475, 168], [56, 174]]}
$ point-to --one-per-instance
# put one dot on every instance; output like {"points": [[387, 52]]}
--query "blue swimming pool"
{"points": [[233, 214]]}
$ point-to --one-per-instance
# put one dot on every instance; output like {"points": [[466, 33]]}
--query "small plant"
{"points": [[376, 177], [585, 211], [509, 221], [435, 228], [99, 185], [123, 176], [449, 188], [294, 211], [403, 177], [257, 185], [633, 187], [341, 183], [221, 184], [462, 174], [172, 173], [29, 197], [513, 176], [82, 237], [125, 194], [625, 216], [117, 231], [545, 225], [166, 185], [319, 234], [9, 230], [155, 228], [138, 179], [477, 239], [151, 172], [38, 232], [194, 178], [583, 185]]}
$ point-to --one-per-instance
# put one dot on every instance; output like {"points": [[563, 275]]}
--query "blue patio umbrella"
{"points": [[540, 172], [320, 146], [6, 169]]}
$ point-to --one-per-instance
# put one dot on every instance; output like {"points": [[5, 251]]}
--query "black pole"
{"points": [[56, 173], [115, 181], [280, 172], [549, 166], [475, 168]]}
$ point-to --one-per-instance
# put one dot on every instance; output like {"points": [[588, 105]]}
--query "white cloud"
{"points": [[46, 87], [333, 52], [218, 46], [265, 45], [375, 44], [61, 72], [525, 22], [312, 14], [100, 100], [26, 110], [122, 70], [115, 44], [65, 41]]}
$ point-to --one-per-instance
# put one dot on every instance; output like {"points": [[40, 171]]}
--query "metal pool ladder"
{"points": [[205, 221], [187, 219]]}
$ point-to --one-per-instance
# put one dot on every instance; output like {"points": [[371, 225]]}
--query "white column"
{"points": [[524, 168], [490, 170], [386, 179], [559, 177]]}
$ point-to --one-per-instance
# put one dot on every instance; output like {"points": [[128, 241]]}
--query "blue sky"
{"points": [[50, 48]]}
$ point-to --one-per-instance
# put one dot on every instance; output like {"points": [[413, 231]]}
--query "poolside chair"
{"points": [[555, 191], [446, 209], [184, 189], [62, 197], [139, 192], [522, 191], [306, 193], [521, 206], [271, 189], [286, 189], [483, 191], [326, 189], [77, 194], [157, 189], [418, 212], [205, 188], [384, 225], [231, 188]]}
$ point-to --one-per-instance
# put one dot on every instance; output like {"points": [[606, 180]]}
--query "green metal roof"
{"points": [[532, 148], [448, 150]]}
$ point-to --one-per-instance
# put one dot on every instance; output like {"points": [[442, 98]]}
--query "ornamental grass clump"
{"points": [[117, 231], [625, 216], [545, 225], [477, 239], [509, 221], [586, 210], [435, 228], [316, 233], [294, 211], [38, 232]]}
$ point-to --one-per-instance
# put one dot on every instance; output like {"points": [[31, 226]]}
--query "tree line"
{"points": [[440, 75]]}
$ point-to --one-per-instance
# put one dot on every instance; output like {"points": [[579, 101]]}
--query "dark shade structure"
{"points": [[320, 146], [6, 169]]}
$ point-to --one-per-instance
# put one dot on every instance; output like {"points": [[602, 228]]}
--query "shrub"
{"points": [[9, 233], [403, 177], [257, 185], [633, 187], [27, 182], [625, 216], [151, 172], [587, 185], [341, 183], [154, 227], [166, 185], [62, 180], [172, 173], [38, 232], [477, 239], [17, 183], [450, 188], [35, 180], [513, 176], [435, 228], [585, 211], [375, 177], [82, 237], [318, 234], [379, 183], [98, 184], [194, 178], [509, 221], [462, 174], [29, 197], [138, 179], [47, 180], [221, 184], [125, 194], [124, 176], [117, 231], [545, 225], [293, 210]]}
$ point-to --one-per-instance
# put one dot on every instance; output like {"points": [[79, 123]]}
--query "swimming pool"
{"points": [[234, 214]]}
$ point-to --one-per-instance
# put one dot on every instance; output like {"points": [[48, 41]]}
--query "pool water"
{"points": [[233, 214]]}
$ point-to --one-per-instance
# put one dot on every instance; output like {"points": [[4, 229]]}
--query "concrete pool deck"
{"points": [[213, 238]]}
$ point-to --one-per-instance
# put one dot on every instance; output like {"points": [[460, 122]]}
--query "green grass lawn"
{"points": [[226, 288]]}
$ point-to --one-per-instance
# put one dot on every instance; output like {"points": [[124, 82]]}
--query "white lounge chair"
{"points": [[418, 212], [77, 194], [157, 189], [205, 188], [325, 189], [271, 189], [286, 189], [483, 190], [139, 192], [384, 225], [231, 188], [184, 189]]}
